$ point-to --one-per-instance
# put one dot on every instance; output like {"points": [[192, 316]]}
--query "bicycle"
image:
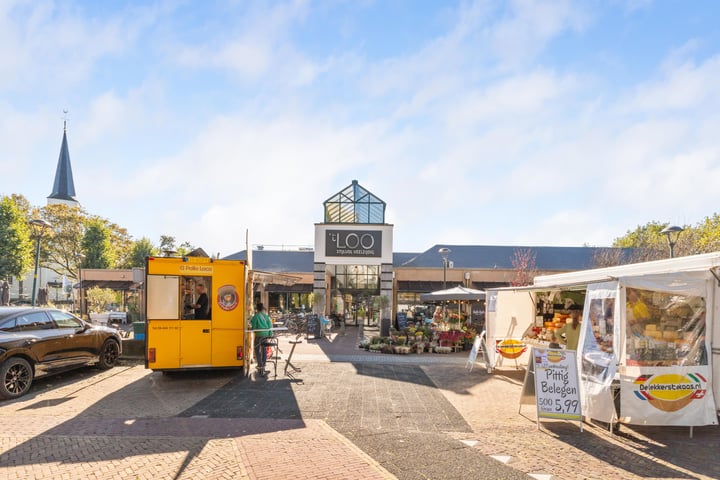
{"points": [[296, 324]]}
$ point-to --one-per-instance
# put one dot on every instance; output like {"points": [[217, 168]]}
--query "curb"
{"points": [[364, 456]]}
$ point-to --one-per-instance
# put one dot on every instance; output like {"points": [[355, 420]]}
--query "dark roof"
{"points": [[501, 257], [561, 259], [401, 257], [64, 186], [278, 260]]}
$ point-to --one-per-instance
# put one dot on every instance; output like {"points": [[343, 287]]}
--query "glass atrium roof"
{"points": [[354, 204]]}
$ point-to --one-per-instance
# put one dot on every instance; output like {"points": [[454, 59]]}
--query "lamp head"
{"points": [[39, 226], [671, 229], [444, 252], [672, 233]]}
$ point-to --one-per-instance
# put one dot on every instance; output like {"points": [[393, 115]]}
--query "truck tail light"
{"points": [[240, 352], [151, 355]]}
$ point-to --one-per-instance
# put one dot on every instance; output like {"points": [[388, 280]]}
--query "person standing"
{"points": [[571, 331], [261, 324], [202, 304]]}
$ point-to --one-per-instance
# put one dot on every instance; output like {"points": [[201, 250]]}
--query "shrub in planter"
{"points": [[375, 347], [387, 349], [401, 340], [376, 340]]}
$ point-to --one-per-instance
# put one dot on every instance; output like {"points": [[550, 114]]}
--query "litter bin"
{"points": [[385, 327], [139, 330]]}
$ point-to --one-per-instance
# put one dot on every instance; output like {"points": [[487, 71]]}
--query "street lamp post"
{"points": [[672, 233], [78, 258], [38, 227], [444, 252]]}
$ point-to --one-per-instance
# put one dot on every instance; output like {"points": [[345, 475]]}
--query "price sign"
{"points": [[557, 391]]}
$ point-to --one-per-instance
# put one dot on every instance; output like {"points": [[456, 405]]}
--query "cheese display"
{"points": [[665, 329]]}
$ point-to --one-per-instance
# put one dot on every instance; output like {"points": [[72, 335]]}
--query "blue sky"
{"points": [[516, 123]]}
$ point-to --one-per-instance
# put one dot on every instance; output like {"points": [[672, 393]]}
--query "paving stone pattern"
{"points": [[348, 414], [392, 412]]}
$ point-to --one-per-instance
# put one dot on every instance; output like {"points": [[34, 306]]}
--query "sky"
{"points": [[522, 122]]}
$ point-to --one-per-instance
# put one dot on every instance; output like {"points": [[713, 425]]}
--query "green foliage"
{"points": [[141, 249], [704, 237], [185, 248], [16, 249], [167, 243], [121, 244], [98, 298], [708, 234], [96, 244], [62, 245]]}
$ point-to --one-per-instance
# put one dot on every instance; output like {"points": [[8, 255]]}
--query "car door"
{"points": [[78, 342], [43, 337]]}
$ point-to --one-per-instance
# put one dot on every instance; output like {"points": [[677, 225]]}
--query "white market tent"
{"points": [[665, 374], [455, 293]]}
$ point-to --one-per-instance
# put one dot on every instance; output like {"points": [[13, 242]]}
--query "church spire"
{"points": [[64, 186]]}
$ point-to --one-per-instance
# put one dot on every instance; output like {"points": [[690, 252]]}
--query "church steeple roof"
{"points": [[64, 186]]}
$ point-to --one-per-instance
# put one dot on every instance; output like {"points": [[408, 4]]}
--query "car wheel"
{"points": [[109, 354], [17, 376]]}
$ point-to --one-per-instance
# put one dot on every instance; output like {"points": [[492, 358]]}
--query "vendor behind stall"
{"points": [[571, 331]]}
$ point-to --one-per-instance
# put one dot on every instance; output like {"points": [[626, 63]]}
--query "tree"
{"points": [[121, 244], [140, 250], [610, 257], [15, 243], [167, 243], [96, 244], [98, 298], [708, 235], [62, 246], [650, 244], [523, 261], [185, 248]]}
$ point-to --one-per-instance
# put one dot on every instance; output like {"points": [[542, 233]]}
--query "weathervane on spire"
{"points": [[65, 112]]}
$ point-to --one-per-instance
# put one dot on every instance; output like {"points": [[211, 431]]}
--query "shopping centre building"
{"points": [[352, 265]]}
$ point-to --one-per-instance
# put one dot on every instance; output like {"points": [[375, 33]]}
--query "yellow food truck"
{"points": [[195, 313]]}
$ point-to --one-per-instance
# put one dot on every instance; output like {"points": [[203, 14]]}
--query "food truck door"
{"points": [[195, 343]]}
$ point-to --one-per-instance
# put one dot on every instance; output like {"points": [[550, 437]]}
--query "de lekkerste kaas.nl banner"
{"points": [[667, 396]]}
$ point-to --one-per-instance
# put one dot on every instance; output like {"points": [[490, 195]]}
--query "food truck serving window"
{"points": [[665, 329]]}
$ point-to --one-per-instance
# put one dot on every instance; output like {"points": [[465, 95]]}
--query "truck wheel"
{"points": [[109, 354], [16, 376]]}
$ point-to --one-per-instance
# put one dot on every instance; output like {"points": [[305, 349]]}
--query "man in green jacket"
{"points": [[261, 323]]}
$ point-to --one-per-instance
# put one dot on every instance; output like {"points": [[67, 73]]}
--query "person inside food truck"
{"points": [[202, 304]]}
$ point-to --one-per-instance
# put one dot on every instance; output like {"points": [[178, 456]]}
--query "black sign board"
{"points": [[401, 320], [313, 326], [353, 243]]}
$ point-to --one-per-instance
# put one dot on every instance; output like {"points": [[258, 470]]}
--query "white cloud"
{"points": [[259, 48], [42, 41], [681, 86], [530, 25]]}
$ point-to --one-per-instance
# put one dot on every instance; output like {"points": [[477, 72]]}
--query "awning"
{"points": [[274, 278], [455, 293]]}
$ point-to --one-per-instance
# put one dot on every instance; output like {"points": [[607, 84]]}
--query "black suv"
{"points": [[42, 341]]}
